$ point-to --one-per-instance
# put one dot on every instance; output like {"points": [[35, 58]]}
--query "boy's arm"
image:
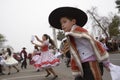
{"points": [[106, 64]]}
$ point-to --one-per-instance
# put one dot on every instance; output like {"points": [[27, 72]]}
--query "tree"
{"points": [[60, 35], [2, 40], [118, 4], [101, 22], [114, 26]]}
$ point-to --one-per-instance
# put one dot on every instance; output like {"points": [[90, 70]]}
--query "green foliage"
{"points": [[2, 38], [114, 26], [118, 4], [60, 35]]}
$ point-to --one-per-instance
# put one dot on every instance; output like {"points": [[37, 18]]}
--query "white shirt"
{"points": [[84, 47]]}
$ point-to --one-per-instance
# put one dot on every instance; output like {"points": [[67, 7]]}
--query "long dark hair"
{"points": [[9, 51], [36, 47], [50, 40]]}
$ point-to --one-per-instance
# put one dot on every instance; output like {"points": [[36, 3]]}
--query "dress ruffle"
{"points": [[45, 60], [10, 61]]}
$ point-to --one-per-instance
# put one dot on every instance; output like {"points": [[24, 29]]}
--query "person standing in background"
{"points": [[103, 43], [1, 64], [23, 55]]}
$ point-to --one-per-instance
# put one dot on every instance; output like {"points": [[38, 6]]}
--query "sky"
{"points": [[20, 19]]}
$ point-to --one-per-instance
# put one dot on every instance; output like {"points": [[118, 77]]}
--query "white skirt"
{"points": [[37, 60], [10, 61]]}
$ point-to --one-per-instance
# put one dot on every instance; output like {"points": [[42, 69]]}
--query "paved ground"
{"points": [[63, 72]]}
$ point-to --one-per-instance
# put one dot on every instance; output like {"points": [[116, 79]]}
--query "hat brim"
{"points": [[23, 48], [55, 16]]}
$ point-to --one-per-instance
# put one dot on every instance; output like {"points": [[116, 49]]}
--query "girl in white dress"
{"points": [[36, 58], [10, 61]]}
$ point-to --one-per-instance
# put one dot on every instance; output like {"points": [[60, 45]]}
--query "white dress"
{"points": [[36, 58], [10, 60], [2, 60]]}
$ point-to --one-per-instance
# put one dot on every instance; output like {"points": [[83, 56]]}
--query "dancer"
{"points": [[36, 58], [86, 52], [10, 61], [103, 44], [23, 55], [1, 64], [48, 60], [64, 47]]}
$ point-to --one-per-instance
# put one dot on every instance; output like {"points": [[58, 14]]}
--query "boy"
{"points": [[86, 52]]}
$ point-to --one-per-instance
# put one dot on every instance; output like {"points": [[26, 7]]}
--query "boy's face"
{"points": [[66, 24]]}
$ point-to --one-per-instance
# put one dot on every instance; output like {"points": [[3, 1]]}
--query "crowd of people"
{"points": [[42, 58], [111, 45], [84, 55]]}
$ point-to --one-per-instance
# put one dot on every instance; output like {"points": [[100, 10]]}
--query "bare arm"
{"points": [[38, 39], [36, 44]]}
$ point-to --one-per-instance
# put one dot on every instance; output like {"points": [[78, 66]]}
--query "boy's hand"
{"points": [[107, 68]]}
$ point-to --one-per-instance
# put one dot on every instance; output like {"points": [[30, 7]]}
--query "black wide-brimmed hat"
{"points": [[24, 48], [55, 16]]}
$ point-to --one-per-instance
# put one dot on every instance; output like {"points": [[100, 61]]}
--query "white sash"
{"points": [[114, 71]]}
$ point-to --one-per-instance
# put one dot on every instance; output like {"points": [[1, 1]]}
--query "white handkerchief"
{"points": [[58, 54], [114, 71]]}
